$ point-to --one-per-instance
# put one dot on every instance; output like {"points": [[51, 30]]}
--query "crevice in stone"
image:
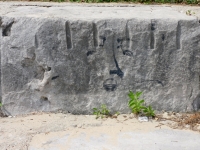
{"points": [[48, 68], [7, 29], [127, 35], [90, 53], [163, 37], [36, 41], [68, 35], [196, 103], [55, 77], [153, 25], [0, 21], [199, 82], [178, 36], [152, 41], [44, 98], [152, 37], [103, 39], [95, 35], [44, 102]]}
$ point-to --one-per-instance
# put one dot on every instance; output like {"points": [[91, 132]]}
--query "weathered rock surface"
{"points": [[76, 58]]}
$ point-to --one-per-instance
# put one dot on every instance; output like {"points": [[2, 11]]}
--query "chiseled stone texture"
{"points": [[52, 59]]}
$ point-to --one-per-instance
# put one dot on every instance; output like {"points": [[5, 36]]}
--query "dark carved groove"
{"points": [[95, 35], [152, 42], [68, 35], [103, 41], [90, 53], [53, 78], [178, 36], [7, 29]]}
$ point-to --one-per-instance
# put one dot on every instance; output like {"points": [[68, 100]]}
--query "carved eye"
{"points": [[153, 26], [90, 53], [127, 53], [163, 37], [119, 40], [103, 38]]}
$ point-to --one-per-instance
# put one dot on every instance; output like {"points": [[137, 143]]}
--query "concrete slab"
{"points": [[91, 13], [108, 138]]}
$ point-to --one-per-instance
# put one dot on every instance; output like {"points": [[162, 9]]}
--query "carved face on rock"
{"points": [[116, 47]]}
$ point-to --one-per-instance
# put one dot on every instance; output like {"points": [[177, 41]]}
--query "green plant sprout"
{"points": [[137, 106], [117, 113], [149, 112], [134, 103], [102, 112], [189, 13]]}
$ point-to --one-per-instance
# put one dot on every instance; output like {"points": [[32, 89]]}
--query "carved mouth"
{"points": [[127, 53], [110, 84]]}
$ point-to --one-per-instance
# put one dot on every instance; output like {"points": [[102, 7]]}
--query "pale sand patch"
{"points": [[18, 132]]}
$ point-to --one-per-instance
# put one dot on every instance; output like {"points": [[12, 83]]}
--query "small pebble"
{"points": [[74, 125], [143, 119], [187, 126]]}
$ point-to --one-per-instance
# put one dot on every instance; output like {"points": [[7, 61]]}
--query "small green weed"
{"points": [[189, 13], [117, 113], [1, 104], [149, 112], [137, 106], [134, 103], [102, 112]]}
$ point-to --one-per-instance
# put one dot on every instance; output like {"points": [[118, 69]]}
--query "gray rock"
{"points": [[196, 103], [52, 61]]}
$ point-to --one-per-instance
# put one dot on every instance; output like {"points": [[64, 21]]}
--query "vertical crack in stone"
{"points": [[196, 103], [178, 36], [127, 35], [152, 41], [95, 35], [152, 38], [0, 21], [199, 82], [36, 41], [68, 35]]}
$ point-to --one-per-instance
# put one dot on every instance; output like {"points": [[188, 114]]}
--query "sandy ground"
{"points": [[17, 133]]}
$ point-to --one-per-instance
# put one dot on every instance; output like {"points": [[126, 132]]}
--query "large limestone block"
{"points": [[75, 64]]}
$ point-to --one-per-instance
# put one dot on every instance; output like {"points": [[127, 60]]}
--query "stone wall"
{"points": [[74, 65]]}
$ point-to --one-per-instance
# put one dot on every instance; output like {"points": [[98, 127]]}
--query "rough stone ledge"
{"points": [[77, 58]]}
